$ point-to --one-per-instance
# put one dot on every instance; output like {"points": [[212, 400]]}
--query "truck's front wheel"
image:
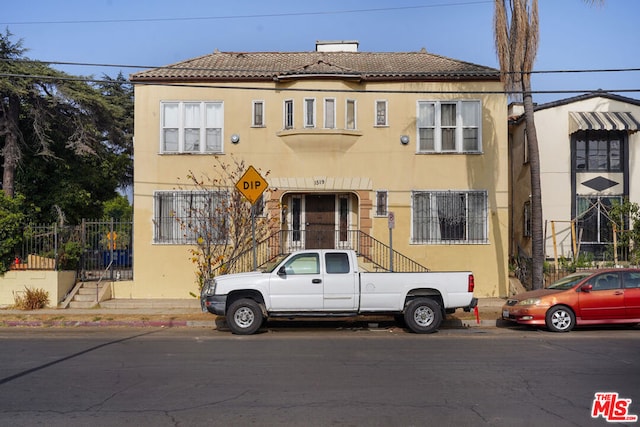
{"points": [[423, 315], [244, 317]]}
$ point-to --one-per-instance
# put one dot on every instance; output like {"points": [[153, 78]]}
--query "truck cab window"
{"points": [[337, 263], [303, 264]]}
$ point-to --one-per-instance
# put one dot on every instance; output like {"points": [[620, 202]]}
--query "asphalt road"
{"points": [[313, 377]]}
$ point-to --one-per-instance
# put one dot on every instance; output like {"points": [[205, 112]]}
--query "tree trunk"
{"points": [[11, 150], [537, 230]]}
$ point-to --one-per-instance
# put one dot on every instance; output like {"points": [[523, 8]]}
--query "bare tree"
{"points": [[220, 221]]}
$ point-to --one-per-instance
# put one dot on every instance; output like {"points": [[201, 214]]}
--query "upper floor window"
{"points": [[309, 112], [288, 114], [449, 126], [350, 122], [381, 113], [449, 217], [191, 127], [257, 119], [598, 151], [181, 217], [329, 113]]}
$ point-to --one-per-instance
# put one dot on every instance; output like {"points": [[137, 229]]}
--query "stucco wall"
{"points": [[372, 154], [56, 283], [552, 126]]}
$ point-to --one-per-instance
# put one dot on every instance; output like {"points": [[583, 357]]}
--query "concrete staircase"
{"points": [[86, 295]]}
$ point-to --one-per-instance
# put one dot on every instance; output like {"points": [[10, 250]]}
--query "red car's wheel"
{"points": [[560, 319]]}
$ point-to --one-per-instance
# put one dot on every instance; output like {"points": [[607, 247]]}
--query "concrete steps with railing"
{"points": [[85, 295]]}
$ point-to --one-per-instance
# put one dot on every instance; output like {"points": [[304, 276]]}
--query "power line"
{"points": [[265, 15], [178, 68], [279, 89]]}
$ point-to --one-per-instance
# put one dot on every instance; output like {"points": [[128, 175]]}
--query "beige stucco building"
{"points": [[347, 137], [589, 159]]}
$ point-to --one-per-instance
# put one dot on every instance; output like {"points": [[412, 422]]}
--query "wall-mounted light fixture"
{"points": [[235, 138], [404, 139]]}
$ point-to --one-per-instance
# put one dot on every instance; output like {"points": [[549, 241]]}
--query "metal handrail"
{"points": [[286, 241]]}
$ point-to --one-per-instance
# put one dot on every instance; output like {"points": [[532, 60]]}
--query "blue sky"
{"points": [[573, 35]]}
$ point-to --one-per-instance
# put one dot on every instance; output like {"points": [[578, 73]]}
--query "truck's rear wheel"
{"points": [[244, 317], [423, 315]]}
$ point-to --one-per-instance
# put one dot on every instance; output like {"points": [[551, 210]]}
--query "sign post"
{"points": [[392, 223], [252, 185]]}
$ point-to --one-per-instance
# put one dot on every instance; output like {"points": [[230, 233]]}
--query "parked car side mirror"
{"points": [[586, 288], [282, 271]]}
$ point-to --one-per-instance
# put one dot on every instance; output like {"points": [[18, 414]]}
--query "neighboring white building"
{"points": [[589, 158]]}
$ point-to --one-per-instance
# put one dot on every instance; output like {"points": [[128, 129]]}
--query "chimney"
{"points": [[337, 45]]}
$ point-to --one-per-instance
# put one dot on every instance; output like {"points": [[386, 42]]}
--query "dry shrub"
{"points": [[31, 299]]}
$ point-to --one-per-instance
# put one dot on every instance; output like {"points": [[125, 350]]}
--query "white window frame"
{"points": [[475, 226], [286, 116], [254, 110], [203, 123], [459, 128], [347, 121], [329, 116], [385, 117], [309, 119]]}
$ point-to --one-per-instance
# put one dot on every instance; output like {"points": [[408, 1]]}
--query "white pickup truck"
{"points": [[329, 283]]}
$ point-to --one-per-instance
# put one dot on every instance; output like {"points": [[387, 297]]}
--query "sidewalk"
{"points": [[184, 313]]}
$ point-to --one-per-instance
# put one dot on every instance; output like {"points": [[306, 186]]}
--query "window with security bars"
{"points": [[381, 203], [449, 217], [594, 222], [182, 217]]}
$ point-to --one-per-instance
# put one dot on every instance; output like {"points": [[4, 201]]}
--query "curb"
{"points": [[447, 324]]}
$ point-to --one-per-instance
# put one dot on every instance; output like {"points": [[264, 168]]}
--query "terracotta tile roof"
{"points": [[255, 66]]}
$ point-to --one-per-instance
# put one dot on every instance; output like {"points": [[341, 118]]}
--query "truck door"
{"points": [[340, 283], [299, 287]]}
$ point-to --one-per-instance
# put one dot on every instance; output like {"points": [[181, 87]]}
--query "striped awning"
{"points": [[603, 120]]}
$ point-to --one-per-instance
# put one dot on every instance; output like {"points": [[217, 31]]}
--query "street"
{"points": [[313, 376]]}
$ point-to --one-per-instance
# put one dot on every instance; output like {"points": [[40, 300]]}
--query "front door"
{"points": [[320, 224]]}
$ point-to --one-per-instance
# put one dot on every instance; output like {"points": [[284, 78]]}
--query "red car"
{"points": [[609, 296]]}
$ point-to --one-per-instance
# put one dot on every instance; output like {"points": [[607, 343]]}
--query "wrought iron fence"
{"points": [[91, 248]]}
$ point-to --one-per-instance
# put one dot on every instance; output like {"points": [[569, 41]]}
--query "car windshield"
{"points": [[568, 282], [272, 264]]}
